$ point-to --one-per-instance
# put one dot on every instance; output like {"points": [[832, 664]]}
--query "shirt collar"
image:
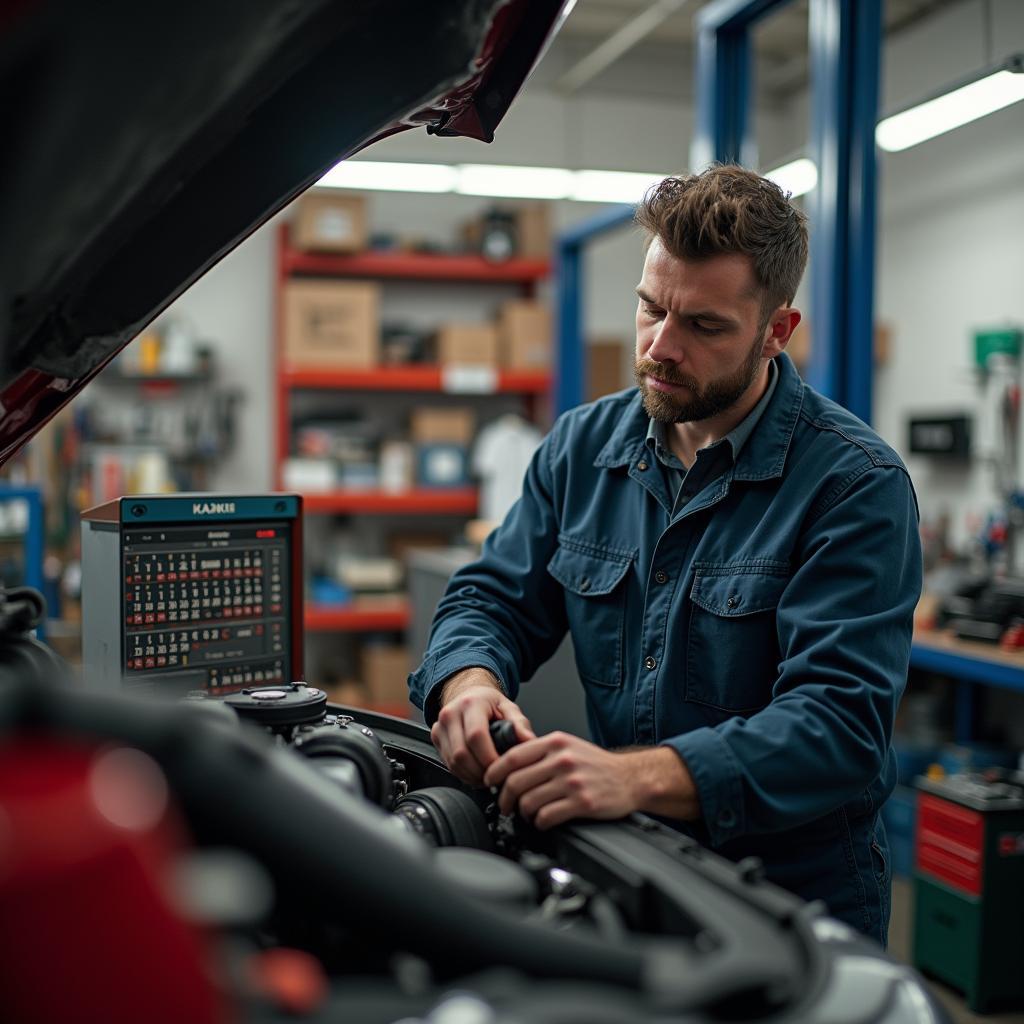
{"points": [[764, 453], [736, 438]]}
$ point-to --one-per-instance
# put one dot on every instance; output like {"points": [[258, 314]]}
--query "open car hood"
{"points": [[145, 141]]}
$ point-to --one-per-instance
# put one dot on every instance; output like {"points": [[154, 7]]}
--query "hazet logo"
{"points": [[212, 508]]}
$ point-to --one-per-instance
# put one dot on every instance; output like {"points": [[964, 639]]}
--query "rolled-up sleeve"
{"points": [[845, 625], [503, 612]]}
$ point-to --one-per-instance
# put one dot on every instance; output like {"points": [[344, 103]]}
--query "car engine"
{"points": [[272, 856]]}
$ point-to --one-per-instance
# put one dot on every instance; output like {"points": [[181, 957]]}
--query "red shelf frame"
{"points": [[457, 501], [413, 266], [352, 618], [408, 378]]}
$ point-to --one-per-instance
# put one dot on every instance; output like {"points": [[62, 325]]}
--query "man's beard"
{"points": [[699, 404]]}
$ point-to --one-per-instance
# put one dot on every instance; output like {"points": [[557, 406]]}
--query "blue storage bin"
{"points": [[325, 591], [442, 465], [913, 759]]}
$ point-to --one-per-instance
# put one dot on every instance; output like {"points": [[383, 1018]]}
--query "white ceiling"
{"points": [[666, 51]]}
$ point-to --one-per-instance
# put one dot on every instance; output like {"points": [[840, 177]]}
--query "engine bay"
{"points": [[404, 893]]}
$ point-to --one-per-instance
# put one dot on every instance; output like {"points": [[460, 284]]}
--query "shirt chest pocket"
{"points": [[595, 604], [732, 651]]}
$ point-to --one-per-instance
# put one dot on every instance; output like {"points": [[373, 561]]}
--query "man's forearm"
{"points": [[661, 783], [463, 680]]}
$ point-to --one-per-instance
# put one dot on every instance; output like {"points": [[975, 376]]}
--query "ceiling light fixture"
{"points": [[993, 90], [377, 175], [798, 177], [495, 180], [612, 186], [510, 182]]}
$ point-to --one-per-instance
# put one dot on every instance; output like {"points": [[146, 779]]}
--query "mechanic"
{"points": [[737, 560]]}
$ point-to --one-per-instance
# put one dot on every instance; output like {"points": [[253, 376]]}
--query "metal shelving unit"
{"points": [[362, 616]]}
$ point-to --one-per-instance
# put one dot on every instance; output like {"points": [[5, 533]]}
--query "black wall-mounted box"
{"points": [[939, 435]]}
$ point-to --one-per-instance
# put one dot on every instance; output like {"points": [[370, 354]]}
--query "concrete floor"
{"points": [[899, 946]]}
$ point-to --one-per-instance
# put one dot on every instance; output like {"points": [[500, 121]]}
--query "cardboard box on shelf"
{"points": [[330, 221], [606, 361], [385, 669], [467, 344], [452, 424], [533, 231], [524, 329], [331, 324]]}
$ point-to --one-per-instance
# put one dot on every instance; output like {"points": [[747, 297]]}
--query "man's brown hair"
{"points": [[728, 209]]}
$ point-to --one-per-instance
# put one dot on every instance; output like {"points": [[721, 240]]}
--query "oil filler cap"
{"points": [[280, 706]]}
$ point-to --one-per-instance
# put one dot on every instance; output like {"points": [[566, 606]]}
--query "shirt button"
{"points": [[661, 576], [584, 584], [726, 818], [641, 465], [650, 663], [732, 602]]}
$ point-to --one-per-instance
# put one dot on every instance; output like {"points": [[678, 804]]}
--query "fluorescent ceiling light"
{"points": [[390, 177], [514, 182], [612, 186], [944, 113], [497, 180], [797, 177]]}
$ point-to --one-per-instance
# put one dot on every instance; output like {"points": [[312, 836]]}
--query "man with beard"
{"points": [[737, 561]]}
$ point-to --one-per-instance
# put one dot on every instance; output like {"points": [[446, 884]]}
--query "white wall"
{"points": [[951, 254]]}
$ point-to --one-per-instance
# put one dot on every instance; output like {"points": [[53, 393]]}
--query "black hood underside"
{"points": [[145, 141]]}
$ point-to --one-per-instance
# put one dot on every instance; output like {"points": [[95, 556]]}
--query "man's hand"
{"points": [[470, 701], [559, 777]]}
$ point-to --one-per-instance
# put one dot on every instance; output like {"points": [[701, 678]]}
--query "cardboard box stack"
{"points": [[330, 221]]}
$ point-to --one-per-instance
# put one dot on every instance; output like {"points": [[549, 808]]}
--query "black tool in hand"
{"points": [[503, 735]]}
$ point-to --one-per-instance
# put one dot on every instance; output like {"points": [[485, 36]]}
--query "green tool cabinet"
{"points": [[969, 886]]}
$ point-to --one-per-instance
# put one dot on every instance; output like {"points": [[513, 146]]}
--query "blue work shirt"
{"points": [[762, 630], [711, 461]]}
